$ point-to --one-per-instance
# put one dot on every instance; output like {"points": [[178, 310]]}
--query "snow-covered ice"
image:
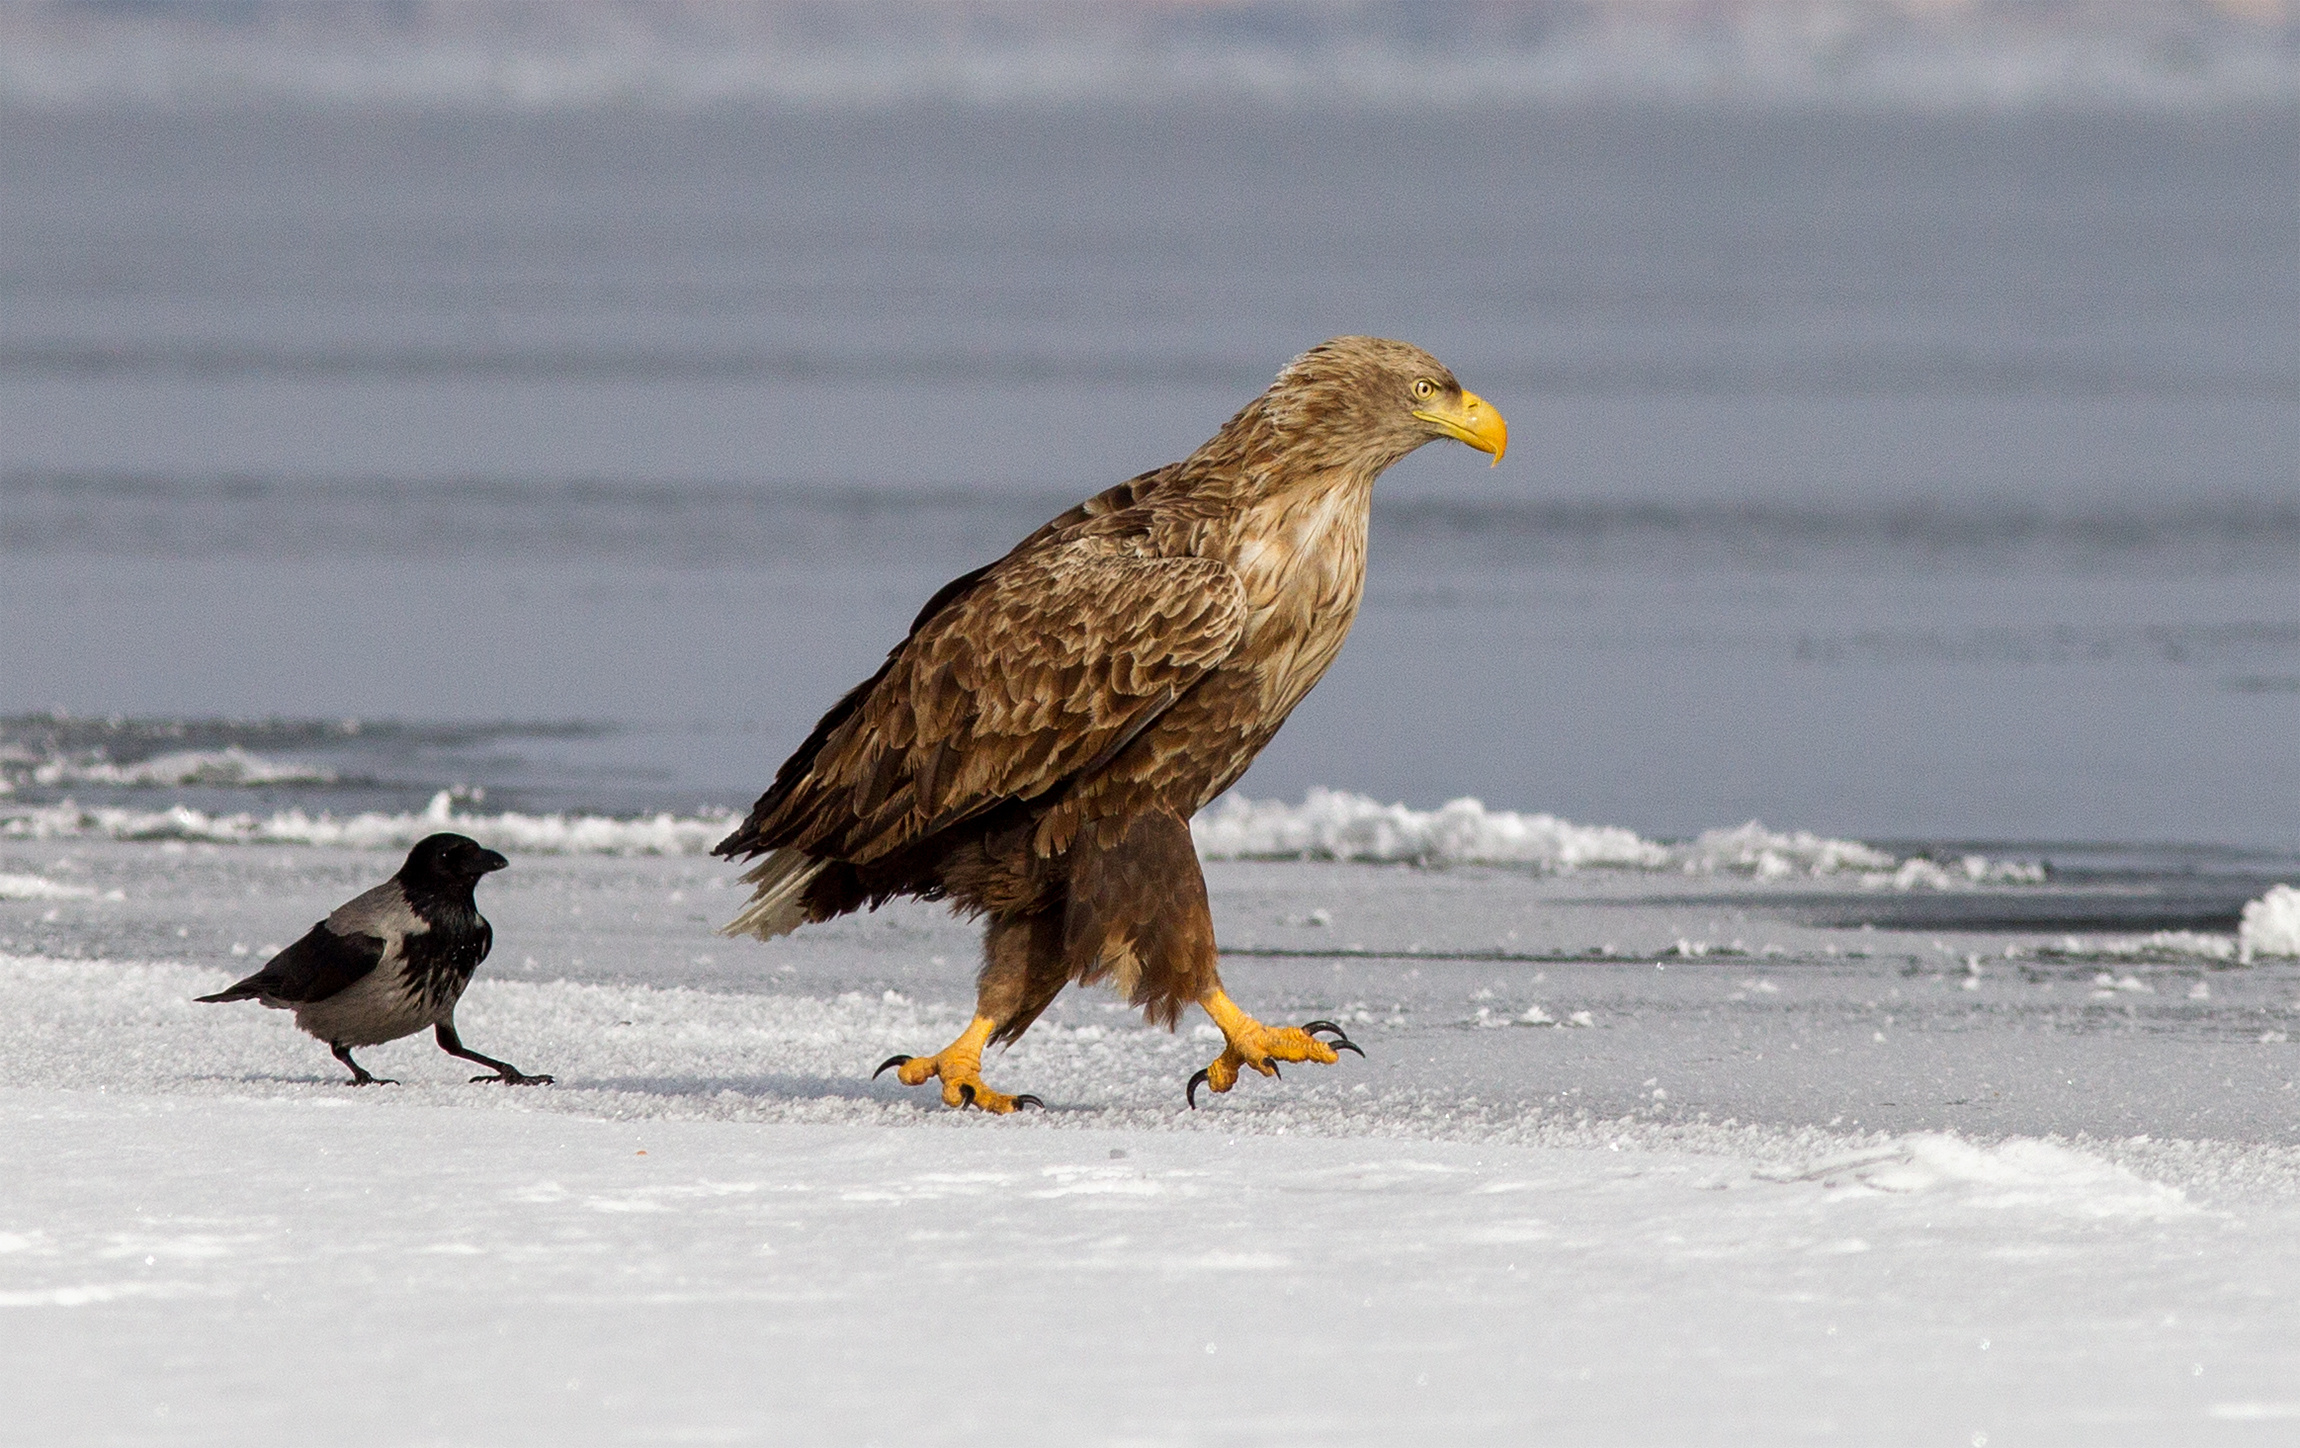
{"points": [[1795, 1180]]}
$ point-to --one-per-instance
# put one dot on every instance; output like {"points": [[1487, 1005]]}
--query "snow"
{"points": [[2015, 1173], [404, 1271], [1795, 1192], [2271, 925]]}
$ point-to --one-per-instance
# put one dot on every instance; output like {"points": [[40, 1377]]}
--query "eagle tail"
{"points": [[778, 904]]}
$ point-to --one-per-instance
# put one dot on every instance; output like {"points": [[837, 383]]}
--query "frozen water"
{"points": [[1896, 476]]}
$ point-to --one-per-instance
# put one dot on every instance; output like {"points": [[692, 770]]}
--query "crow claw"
{"points": [[888, 1063], [1191, 1092], [1028, 1100]]}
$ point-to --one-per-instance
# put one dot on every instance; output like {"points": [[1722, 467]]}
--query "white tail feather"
{"points": [[775, 907]]}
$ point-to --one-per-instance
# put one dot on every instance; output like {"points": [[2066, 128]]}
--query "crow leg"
{"points": [[359, 1076], [1021, 974], [505, 1072]]}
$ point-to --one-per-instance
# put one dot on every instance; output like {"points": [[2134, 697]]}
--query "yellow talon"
{"points": [[959, 1064], [1250, 1043]]}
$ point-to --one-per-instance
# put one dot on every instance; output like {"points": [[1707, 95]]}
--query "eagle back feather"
{"points": [[1029, 672]]}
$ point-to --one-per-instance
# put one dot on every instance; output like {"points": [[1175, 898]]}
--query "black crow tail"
{"points": [[246, 990]]}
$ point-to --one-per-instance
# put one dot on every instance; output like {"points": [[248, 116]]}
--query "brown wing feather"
{"points": [[1046, 666]]}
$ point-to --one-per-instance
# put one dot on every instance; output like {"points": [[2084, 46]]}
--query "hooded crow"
{"points": [[390, 962]]}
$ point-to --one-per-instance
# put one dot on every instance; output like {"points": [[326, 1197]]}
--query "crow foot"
{"points": [[513, 1076], [359, 1073]]}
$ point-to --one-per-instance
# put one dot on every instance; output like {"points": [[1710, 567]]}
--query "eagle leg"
{"points": [[959, 1064], [359, 1076], [1249, 1043]]}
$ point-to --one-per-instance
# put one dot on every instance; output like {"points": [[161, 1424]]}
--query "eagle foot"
{"points": [[959, 1065], [1252, 1044]]}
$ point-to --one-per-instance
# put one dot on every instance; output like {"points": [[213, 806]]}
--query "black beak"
{"points": [[489, 862]]}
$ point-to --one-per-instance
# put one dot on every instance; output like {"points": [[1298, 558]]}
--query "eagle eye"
{"points": [[1424, 389]]}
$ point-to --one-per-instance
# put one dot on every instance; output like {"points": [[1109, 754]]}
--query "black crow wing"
{"points": [[312, 969]]}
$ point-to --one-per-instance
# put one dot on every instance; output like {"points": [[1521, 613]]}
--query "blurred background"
{"points": [[568, 401]]}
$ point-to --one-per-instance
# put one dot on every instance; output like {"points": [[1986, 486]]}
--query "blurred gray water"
{"points": [[1926, 478]]}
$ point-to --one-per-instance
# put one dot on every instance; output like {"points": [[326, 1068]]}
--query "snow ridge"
{"points": [[228, 768], [1332, 825], [1327, 825], [551, 834], [2271, 925]]}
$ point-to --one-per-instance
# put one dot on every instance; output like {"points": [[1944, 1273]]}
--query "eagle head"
{"points": [[1379, 400]]}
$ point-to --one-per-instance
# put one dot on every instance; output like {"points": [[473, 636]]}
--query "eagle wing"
{"points": [[1032, 671]]}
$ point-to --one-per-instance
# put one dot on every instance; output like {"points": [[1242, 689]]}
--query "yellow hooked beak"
{"points": [[1473, 421]]}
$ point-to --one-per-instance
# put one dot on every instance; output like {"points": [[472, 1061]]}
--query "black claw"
{"points": [[1275, 1072], [1192, 1092], [1341, 1040], [1027, 1100], [966, 1094], [887, 1064]]}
